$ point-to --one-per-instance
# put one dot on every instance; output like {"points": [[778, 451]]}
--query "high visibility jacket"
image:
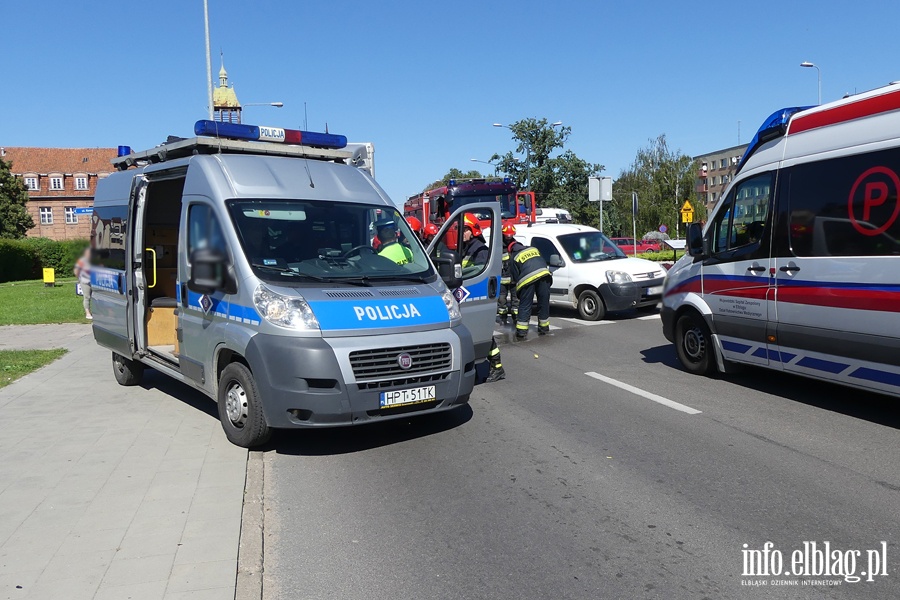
{"points": [[526, 265], [504, 272], [397, 252]]}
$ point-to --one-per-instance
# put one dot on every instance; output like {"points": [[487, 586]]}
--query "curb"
{"points": [[249, 584]]}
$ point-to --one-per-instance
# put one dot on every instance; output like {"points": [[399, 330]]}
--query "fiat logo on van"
{"points": [[404, 360]]}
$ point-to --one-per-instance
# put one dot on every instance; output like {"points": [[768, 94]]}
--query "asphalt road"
{"points": [[597, 469]]}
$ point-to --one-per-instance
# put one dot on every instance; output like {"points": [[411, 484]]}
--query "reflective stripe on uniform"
{"points": [[532, 277]]}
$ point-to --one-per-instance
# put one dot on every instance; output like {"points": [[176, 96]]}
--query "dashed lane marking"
{"points": [[647, 395]]}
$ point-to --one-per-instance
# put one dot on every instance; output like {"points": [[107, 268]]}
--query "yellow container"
{"points": [[49, 277]]}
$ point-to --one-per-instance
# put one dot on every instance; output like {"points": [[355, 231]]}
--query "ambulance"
{"points": [[240, 263], [798, 266]]}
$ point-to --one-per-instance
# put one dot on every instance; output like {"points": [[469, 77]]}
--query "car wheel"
{"points": [[127, 371], [590, 306], [693, 343], [240, 408]]}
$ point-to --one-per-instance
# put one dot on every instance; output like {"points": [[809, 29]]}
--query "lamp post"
{"points": [[527, 145], [275, 104], [806, 63], [496, 168]]}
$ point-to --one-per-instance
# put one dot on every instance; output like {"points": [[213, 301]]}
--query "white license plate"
{"points": [[654, 291], [413, 396]]}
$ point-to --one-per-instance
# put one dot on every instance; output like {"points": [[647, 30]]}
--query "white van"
{"points": [[592, 274], [552, 215], [241, 262], [798, 266]]}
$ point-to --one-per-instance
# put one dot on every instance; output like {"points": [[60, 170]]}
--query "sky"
{"points": [[425, 81]]}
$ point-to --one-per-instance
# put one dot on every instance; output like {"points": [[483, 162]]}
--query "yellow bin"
{"points": [[49, 278]]}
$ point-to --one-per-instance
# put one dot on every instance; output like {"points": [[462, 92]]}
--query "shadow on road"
{"points": [[344, 440]]}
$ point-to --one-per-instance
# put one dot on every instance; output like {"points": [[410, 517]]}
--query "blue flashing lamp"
{"points": [[260, 133], [506, 180], [773, 127], [451, 182]]}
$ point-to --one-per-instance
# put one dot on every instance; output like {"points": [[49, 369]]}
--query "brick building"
{"points": [[60, 180]]}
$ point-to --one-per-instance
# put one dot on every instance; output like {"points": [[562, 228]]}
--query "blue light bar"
{"points": [[773, 127], [261, 133]]}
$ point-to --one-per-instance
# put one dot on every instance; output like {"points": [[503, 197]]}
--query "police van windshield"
{"points": [[589, 246], [328, 241]]}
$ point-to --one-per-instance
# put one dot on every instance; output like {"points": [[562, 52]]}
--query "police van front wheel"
{"points": [[693, 343], [240, 408], [127, 371]]}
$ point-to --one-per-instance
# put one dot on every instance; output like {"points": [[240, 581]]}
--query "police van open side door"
{"points": [[477, 295]]}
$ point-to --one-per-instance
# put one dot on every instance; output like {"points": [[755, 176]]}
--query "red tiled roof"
{"points": [[60, 160]]}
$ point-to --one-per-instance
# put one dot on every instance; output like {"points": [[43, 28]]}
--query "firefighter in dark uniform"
{"points": [[507, 301], [530, 274]]}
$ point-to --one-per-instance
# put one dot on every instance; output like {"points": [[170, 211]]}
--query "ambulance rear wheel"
{"points": [[590, 306], [693, 343], [127, 371], [240, 408]]}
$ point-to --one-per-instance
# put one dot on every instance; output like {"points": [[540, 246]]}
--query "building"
{"points": [[60, 181], [717, 169]]}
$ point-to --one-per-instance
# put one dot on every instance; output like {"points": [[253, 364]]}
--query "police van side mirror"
{"points": [[449, 269], [696, 246], [208, 271]]}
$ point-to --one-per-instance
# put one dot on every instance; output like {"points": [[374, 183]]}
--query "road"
{"points": [[597, 469]]}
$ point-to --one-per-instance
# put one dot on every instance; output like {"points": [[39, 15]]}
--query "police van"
{"points": [[241, 263], [798, 266]]}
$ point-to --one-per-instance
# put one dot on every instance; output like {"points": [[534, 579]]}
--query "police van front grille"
{"points": [[403, 382], [382, 363], [399, 292]]}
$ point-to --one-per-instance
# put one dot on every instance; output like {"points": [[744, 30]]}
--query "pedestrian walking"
{"points": [[531, 276], [82, 271], [507, 300]]}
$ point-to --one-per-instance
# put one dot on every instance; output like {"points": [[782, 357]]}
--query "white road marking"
{"points": [[649, 317], [647, 395], [587, 323]]}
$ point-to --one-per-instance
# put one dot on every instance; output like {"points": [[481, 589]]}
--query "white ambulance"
{"points": [[798, 266]]}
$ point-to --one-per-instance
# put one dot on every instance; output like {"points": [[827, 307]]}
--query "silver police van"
{"points": [[243, 262]]}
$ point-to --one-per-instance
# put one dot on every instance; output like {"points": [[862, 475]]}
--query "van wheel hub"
{"points": [[694, 343], [236, 405]]}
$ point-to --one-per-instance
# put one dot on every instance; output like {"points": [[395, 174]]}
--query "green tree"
{"points": [[454, 173], [663, 179], [14, 217]]}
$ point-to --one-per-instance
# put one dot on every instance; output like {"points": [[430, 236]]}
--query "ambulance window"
{"points": [[204, 230], [741, 222], [846, 206]]}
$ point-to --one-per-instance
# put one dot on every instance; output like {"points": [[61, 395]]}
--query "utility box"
{"points": [[49, 278]]}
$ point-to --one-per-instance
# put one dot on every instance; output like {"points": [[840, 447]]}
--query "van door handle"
{"points": [[756, 268], [789, 268]]}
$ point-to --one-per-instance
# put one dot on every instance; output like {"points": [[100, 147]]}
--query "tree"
{"points": [[14, 217], [453, 173], [663, 179]]}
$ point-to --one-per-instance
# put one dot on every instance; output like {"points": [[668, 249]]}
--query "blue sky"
{"points": [[424, 81]]}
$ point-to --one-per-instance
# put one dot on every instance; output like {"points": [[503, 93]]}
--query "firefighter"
{"points": [[475, 250], [507, 301], [416, 225], [530, 274], [428, 232], [497, 373]]}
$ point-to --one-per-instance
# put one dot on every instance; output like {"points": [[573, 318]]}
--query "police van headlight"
{"points": [[618, 277], [452, 305], [292, 312]]}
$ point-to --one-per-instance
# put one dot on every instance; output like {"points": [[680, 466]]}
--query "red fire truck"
{"points": [[435, 205]]}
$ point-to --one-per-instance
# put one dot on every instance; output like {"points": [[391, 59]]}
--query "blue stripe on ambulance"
{"points": [[369, 314], [813, 363]]}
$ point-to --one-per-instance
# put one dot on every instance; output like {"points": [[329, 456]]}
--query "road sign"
{"points": [[663, 229], [687, 208], [84, 210], [687, 216]]}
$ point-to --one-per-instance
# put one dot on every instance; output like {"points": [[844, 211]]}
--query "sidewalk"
{"points": [[111, 492]]}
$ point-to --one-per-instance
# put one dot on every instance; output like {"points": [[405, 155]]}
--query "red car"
{"points": [[627, 245]]}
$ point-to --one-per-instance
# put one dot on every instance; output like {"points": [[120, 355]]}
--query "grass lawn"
{"points": [[31, 303], [18, 363]]}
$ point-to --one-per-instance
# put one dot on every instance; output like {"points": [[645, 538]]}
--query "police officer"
{"points": [[530, 274], [390, 247], [507, 301]]}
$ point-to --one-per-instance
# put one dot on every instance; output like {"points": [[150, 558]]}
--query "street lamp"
{"points": [[806, 63], [275, 104], [496, 168], [527, 145]]}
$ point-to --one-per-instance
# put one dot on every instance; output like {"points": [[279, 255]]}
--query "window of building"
{"points": [[46, 215], [56, 183], [81, 183], [31, 184], [71, 217]]}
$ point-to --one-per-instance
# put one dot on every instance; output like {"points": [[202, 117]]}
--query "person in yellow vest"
{"points": [[530, 274], [390, 247]]}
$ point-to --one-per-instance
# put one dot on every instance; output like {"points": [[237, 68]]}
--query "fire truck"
{"points": [[435, 205]]}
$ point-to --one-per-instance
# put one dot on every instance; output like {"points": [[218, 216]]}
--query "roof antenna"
{"points": [[326, 126], [305, 124]]}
